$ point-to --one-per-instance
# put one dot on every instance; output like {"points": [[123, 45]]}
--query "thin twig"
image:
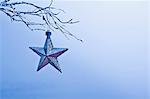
{"points": [[48, 18]]}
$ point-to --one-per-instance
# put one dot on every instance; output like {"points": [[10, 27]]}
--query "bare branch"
{"points": [[47, 16]]}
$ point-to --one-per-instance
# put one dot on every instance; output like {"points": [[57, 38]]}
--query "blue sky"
{"points": [[112, 63]]}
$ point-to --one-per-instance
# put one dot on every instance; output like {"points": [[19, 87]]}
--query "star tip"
{"points": [[30, 47], [60, 71], [37, 70], [67, 49]]}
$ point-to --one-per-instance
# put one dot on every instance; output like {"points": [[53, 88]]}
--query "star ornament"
{"points": [[48, 54]]}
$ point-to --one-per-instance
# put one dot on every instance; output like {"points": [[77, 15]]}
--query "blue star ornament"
{"points": [[48, 54]]}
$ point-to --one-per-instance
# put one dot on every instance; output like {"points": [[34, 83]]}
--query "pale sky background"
{"points": [[112, 63]]}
